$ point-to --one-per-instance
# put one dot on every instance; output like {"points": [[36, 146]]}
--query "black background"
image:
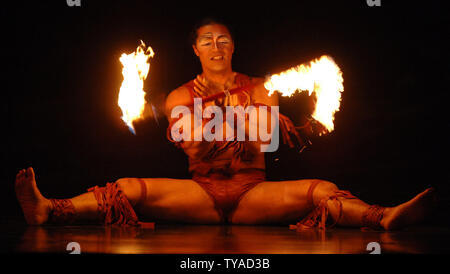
{"points": [[62, 76]]}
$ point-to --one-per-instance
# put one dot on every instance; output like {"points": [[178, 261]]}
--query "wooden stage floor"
{"points": [[16, 237]]}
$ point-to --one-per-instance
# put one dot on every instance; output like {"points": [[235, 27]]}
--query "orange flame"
{"points": [[322, 76], [131, 94]]}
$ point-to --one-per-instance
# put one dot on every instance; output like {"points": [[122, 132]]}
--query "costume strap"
{"points": [[143, 197], [371, 218], [63, 212], [309, 195]]}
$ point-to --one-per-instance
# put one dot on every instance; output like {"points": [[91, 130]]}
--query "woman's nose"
{"points": [[217, 46]]}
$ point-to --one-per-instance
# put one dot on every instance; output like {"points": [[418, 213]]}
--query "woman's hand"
{"points": [[203, 88]]}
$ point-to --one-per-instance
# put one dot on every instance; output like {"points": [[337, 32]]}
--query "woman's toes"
{"points": [[19, 176]]}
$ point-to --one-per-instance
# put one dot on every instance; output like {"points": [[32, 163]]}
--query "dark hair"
{"points": [[208, 21]]}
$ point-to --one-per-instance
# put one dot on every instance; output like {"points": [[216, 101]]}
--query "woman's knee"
{"points": [[131, 188], [323, 189]]}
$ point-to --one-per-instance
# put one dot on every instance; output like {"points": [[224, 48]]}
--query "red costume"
{"points": [[226, 184]]}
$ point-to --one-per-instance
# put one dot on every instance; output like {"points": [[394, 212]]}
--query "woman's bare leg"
{"points": [[173, 200], [185, 201], [287, 202], [167, 199]]}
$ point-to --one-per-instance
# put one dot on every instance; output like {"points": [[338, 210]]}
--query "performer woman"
{"points": [[228, 182]]}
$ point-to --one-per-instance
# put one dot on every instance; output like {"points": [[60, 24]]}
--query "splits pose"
{"points": [[228, 182]]}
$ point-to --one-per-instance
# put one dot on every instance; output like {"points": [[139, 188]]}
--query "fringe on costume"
{"points": [[371, 218], [114, 208], [63, 212], [319, 215]]}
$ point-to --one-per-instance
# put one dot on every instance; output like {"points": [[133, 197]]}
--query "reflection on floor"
{"points": [[167, 239]]}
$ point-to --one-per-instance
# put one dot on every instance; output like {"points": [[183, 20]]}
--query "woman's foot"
{"points": [[412, 212], [36, 207]]}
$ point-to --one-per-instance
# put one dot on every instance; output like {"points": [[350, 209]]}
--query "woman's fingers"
{"points": [[198, 85], [198, 92], [201, 82]]}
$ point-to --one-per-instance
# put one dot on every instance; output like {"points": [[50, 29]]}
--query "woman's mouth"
{"points": [[217, 58]]}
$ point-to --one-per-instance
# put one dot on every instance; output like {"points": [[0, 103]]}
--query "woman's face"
{"points": [[214, 47]]}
